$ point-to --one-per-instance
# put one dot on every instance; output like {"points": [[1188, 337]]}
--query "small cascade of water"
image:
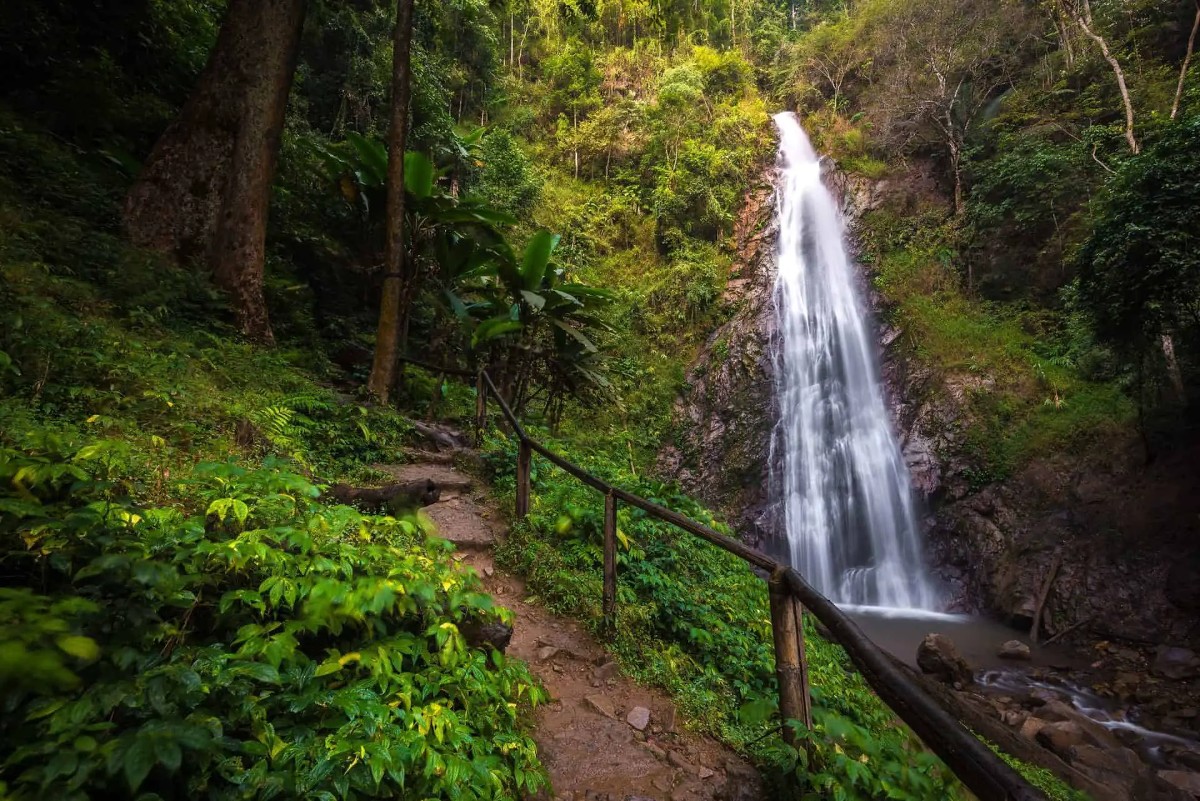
{"points": [[841, 482]]}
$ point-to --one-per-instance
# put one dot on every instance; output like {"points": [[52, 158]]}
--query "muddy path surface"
{"points": [[601, 736]]}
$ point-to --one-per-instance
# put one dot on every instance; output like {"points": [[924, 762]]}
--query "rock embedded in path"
{"points": [[654, 748], [680, 761], [666, 720], [938, 657], [605, 672], [1014, 649], [546, 652], [479, 633], [638, 718], [601, 704]]}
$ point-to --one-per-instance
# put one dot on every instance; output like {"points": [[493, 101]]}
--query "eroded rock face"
{"points": [[727, 411]]}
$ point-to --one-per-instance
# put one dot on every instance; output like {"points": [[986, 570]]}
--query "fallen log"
{"points": [[396, 499]]}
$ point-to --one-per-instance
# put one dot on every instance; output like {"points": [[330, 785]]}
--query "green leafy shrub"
{"points": [[249, 643]]}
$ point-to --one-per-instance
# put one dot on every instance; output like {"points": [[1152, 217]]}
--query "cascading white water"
{"points": [[841, 481]]}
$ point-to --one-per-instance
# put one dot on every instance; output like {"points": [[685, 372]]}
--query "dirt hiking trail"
{"points": [[601, 736]]}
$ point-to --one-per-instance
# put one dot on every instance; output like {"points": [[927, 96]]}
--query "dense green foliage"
{"points": [[183, 613], [203, 625], [263, 645], [1139, 267]]}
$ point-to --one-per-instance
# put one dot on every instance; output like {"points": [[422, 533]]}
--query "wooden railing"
{"points": [[981, 770]]}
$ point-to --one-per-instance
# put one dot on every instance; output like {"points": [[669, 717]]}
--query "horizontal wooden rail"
{"points": [[981, 770]]}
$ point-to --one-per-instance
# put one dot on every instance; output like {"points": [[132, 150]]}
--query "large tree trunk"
{"points": [[399, 281], [204, 193]]}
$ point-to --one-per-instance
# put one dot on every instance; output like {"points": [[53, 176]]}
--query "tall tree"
{"points": [[1081, 12], [1187, 60], [942, 63], [204, 193], [400, 278]]}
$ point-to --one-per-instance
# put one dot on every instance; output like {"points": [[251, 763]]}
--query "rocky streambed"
{"points": [[1120, 723]]}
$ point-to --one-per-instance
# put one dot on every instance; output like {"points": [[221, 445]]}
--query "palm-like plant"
{"points": [[537, 329], [515, 313]]}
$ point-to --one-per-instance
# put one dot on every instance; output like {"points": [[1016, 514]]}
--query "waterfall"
{"points": [[840, 480]]}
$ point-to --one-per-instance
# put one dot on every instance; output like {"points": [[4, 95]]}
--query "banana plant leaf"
{"points": [[537, 258]]}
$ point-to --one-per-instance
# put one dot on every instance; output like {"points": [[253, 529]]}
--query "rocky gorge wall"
{"points": [[1118, 538]]}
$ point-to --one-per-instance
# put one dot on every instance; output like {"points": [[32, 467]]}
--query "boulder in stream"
{"points": [[937, 656], [1014, 649]]}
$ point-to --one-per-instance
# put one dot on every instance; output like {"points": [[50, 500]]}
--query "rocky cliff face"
{"points": [[1115, 542], [727, 410]]}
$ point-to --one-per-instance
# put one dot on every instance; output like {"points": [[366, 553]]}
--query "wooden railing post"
{"points": [[480, 408], [524, 463], [791, 667], [610, 561]]}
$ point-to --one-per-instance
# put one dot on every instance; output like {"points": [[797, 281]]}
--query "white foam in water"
{"points": [[844, 489], [1087, 703], [906, 613]]}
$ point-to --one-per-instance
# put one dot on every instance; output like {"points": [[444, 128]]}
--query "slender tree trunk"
{"points": [[1167, 343], [204, 193], [1064, 33], [1187, 59], [1082, 11], [399, 281], [956, 167]]}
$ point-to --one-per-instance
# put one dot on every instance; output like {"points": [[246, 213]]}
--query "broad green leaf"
{"points": [[537, 257], [79, 647], [456, 304], [536, 301], [223, 507], [373, 156], [139, 759], [418, 175], [168, 752], [585, 291], [575, 334], [494, 329], [328, 667]]}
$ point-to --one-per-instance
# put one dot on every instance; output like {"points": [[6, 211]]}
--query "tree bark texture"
{"points": [[399, 281], [204, 193]]}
